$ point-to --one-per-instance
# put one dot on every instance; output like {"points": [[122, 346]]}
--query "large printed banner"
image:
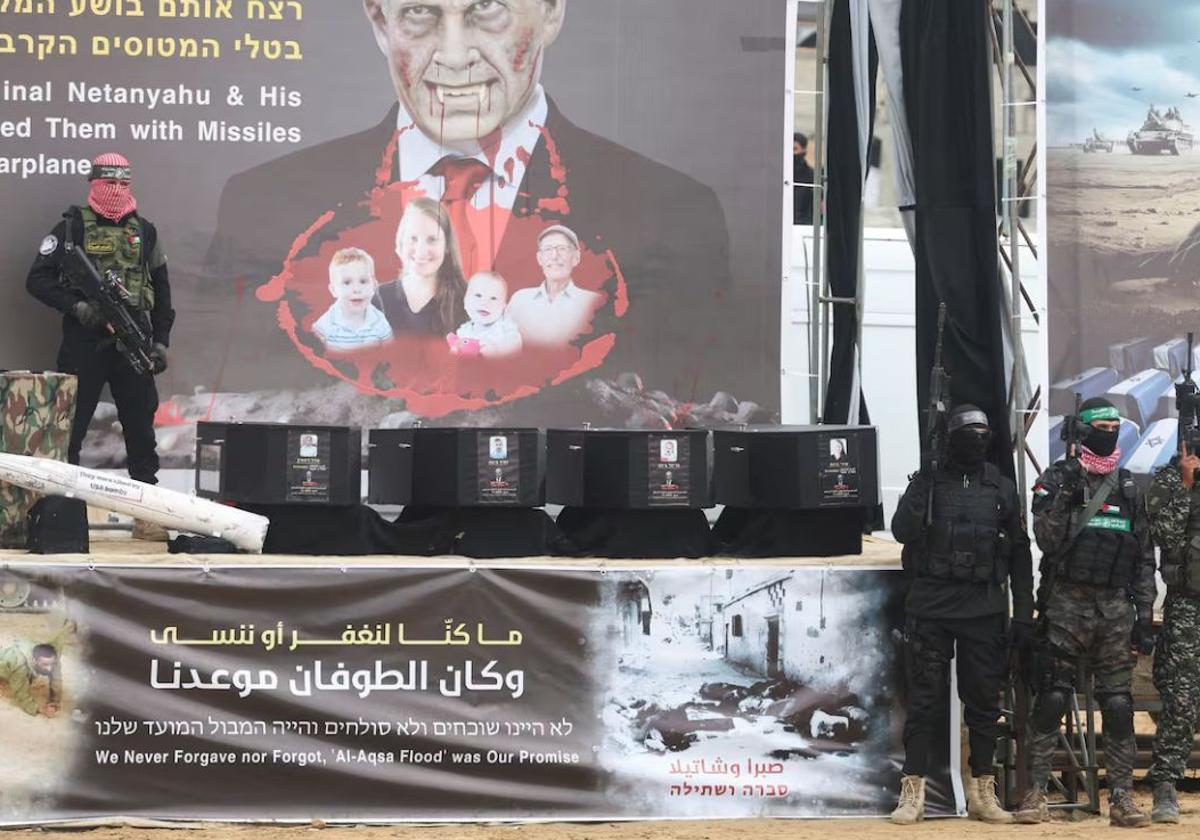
{"points": [[425, 694], [1124, 201], [502, 211]]}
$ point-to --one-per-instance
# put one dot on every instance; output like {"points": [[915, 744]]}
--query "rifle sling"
{"points": [[1094, 504], [1093, 507]]}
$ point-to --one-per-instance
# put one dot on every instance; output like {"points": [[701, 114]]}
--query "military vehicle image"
{"points": [[1097, 142], [1161, 133]]}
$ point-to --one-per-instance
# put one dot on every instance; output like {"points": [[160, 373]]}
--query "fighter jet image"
{"points": [[1136, 89], [1190, 95]]}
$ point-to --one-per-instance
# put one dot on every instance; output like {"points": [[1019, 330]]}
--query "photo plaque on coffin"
{"points": [[278, 464], [794, 491], [306, 479], [480, 487], [631, 493]]}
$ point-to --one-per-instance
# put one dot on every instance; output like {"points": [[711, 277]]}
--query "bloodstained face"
{"points": [[464, 68]]}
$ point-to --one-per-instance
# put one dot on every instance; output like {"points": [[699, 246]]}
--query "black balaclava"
{"points": [[970, 437], [1100, 442]]}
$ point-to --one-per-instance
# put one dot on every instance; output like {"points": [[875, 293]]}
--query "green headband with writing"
{"points": [[1100, 412]]}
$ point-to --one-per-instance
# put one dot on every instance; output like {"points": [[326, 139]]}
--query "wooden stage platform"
{"points": [[116, 548]]}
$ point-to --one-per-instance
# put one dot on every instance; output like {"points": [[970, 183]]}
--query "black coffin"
{"points": [[272, 463], [628, 469], [457, 467], [794, 491], [796, 467]]}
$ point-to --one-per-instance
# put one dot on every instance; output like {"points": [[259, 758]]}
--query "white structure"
{"points": [[889, 346], [816, 626]]}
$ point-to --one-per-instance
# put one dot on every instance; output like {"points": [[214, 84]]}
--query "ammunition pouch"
{"points": [[1105, 552], [965, 541], [962, 551]]}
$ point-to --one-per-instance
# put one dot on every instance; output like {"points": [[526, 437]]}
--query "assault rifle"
{"points": [[937, 413], [1074, 430], [130, 331], [1072, 434], [1187, 400]]}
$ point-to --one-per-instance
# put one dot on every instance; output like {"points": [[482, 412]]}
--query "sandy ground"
{"points": [[729, 830], [1122, 202], [1113, 222]]}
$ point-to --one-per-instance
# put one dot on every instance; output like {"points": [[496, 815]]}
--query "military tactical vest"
{"points": [[1181, 567], [966, 541], [1106, 552], [120, 249]]}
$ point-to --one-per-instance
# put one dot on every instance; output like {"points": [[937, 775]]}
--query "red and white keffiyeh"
{"points": [[1099, 464], [110, 194]]}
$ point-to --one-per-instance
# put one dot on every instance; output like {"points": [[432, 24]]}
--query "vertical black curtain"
{"points": [[844, 212], [947, 66]]}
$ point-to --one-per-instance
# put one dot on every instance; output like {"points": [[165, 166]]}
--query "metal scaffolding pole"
{"points": [[821, 300], [817, 349], [1010, 204], [1017, 187], [1016, 699]]}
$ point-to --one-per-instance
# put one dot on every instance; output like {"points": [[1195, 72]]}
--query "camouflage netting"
{"points": [[37, 412]]}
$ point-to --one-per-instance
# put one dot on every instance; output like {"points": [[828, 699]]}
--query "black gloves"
{"points": [[87, 315], [1073, 473], [1143, 638], [159, 357], [1020, 635]]}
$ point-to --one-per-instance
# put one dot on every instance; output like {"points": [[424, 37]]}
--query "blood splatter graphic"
{"points": [[420, 368], [521, 53]]}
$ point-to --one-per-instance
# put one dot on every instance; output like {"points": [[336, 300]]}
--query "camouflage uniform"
{"points": [[17, 675], [37, 411], [1175, 517], [1090, 621]]}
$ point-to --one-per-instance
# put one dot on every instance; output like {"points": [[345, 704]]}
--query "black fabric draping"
{"points": [[635, 534], [343, 530], [947, 89], [355, 530], [752, 532], [844, 214]]}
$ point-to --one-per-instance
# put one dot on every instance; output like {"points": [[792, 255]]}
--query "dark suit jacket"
{"points": [[666, 229]]}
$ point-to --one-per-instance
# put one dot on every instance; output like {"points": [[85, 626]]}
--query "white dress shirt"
{"points": [[553, 322], [417, 153]]}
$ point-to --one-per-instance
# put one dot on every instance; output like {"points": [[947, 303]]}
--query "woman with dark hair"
{"points": [[428, 297]]}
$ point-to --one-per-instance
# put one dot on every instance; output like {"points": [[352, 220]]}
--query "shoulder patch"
{"points": [[48, 246]]}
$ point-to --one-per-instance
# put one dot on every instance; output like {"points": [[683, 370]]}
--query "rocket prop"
{"points": [[151, 503]]}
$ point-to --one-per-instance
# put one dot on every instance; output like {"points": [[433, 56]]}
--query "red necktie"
{"points": [[463, 177]]}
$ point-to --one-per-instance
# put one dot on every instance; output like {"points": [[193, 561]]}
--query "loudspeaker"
{"points": [[628, 469], [272, 463], [58, 525]]}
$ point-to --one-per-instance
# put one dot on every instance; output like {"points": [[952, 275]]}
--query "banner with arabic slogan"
{"points": [[424, 694]]}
